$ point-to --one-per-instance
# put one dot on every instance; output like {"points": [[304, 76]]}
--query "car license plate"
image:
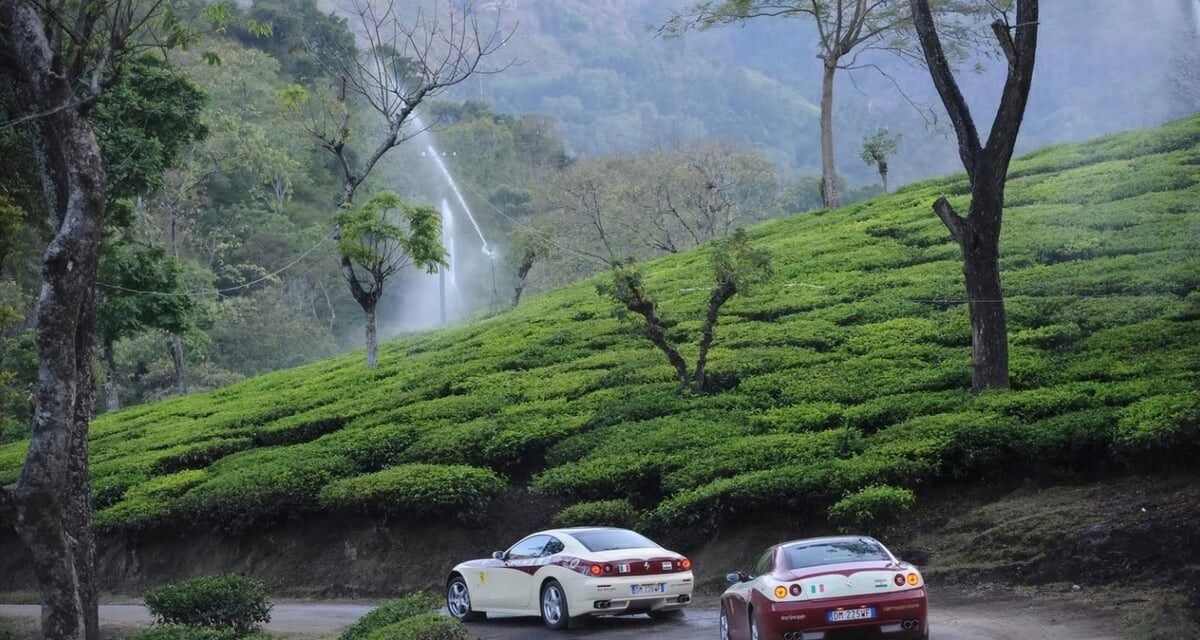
{"points": [[640, 589], [844, 615]]}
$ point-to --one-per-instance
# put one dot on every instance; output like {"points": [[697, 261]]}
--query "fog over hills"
{"points": [[596, 65]]}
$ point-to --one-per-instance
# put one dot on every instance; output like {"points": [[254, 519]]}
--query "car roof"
{"points": [[826, 540], [572, 530]]}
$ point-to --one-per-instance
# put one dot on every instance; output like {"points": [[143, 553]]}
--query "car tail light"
{"points": [[685, 564], [913, 579], [594, 570], [899, 579], [781, 592], [608, 568], [795, 590]]}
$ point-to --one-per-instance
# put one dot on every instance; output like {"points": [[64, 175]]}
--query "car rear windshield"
{"points": [[817, 554], [611, 539]]}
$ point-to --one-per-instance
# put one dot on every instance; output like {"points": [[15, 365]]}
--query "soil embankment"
{"points": [[1133, 531]]}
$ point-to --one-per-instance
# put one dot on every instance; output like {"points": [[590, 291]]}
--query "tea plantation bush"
{"points": [[601, 513], [229, 603], [872, 509], [850, 369], [412, 617], [417, 490]]}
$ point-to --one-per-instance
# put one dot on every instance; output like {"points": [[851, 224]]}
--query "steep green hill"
{"points": [[851, 368]]}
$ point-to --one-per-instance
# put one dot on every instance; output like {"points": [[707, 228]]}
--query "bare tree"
{"points": [[846, 29], [978, 234], [404, 61], [663, 202], [737, 268]]}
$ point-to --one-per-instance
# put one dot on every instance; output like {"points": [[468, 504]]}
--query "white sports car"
{"points": [[563, 574]]}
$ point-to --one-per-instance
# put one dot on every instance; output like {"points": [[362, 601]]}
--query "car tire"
{"points": [[755, 632], [458, 601], [553, 604], [724, 623], [670, 614]]}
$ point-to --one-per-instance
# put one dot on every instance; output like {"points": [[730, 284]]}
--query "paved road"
{"points": [[1009, 620]]}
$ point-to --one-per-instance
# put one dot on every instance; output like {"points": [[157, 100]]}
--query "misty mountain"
{"points": [[597, 66]]}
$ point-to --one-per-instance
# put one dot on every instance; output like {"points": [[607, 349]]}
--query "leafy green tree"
{"points": [[846, 29], [877, 149], [57, 64], [405, 62], [144, 122], [380, 238], [141, 290], [737, 268]]}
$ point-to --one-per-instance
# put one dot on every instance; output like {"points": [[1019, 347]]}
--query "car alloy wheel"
{"points": [[458, 601], [724, 624], [554, 606]]}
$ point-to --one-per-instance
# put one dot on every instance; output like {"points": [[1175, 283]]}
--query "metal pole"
{"points": [[442, 291]]}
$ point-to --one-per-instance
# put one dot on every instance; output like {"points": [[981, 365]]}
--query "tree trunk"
{"points": [[522, 276], [978, 235], [989, 330], [179, 358], [50, 504], [654, 332], [112, 400], [719, 297], [883, 173], [372, 339], [829, 190]]}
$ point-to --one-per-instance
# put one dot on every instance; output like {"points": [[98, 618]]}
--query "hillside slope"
{"points": [[851, 368]]}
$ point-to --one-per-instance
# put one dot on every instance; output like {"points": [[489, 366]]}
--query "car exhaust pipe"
{"points": [[603, 604], [684, 599], [910, 625]]}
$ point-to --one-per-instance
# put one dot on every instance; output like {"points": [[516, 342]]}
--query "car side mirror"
{"points": [[736, 577], [499, 555]]}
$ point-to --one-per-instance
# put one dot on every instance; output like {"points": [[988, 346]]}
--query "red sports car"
{"points": [[826, 589]]}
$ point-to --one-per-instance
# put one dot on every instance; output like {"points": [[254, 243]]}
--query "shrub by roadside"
{"points": [[231, 604], [412, 617], [185, 632], [427, 626]]}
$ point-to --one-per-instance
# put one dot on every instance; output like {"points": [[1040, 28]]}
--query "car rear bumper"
{"points": [[614, 596], [899, 616]]}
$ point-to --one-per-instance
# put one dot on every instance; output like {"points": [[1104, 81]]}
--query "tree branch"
{"points": [[959, 227], [1003, 137], [1000, 28], [943, 79]]}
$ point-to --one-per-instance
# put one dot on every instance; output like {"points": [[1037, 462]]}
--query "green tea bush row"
{"points": [[457, 491], [600, 513], [871, 509]]}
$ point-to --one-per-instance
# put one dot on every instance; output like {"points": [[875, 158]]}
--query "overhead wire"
{"points": [[220, 292]]}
